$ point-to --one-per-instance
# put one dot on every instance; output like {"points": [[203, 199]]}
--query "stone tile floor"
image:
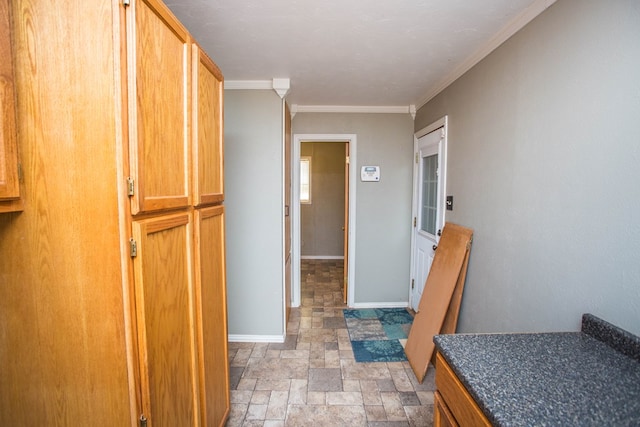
{"points": [[312, 378]]}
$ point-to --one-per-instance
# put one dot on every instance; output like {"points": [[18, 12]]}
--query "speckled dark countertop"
{"points": [[587, 378]]}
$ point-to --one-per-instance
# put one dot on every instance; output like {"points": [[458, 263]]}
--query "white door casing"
{"points": [[351, 140], [428, 203]]}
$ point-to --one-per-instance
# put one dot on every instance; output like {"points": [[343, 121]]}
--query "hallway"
{"points": [[313, 379]]}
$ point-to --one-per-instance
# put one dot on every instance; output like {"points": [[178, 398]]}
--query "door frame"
{"points": [[298, 139], [440, 123]]}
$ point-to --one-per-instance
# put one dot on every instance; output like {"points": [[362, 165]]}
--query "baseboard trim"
{"points": [[256, 338], [402, 304], [322, 257]]}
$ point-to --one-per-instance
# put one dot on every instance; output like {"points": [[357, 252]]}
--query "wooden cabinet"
{"points": [[112, 292], [442, 416], [9, 183], [175, 133], [454, 406], [159, 52]]}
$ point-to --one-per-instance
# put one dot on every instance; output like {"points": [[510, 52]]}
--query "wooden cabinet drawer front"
{"points": [[457, 398]]}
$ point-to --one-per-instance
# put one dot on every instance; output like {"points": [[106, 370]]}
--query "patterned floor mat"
{"points": [[378, 334]]}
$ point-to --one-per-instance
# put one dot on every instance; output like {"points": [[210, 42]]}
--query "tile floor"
{"points": [[312, 378]]}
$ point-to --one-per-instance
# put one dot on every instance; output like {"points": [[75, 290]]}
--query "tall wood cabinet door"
{"points": [[159, 94], [212, 315], [9, 187], [165, 318], [207, 130]]}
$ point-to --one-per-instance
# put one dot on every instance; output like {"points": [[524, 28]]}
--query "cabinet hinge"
{"points": [[416, 157], [20, 175], [415, 221], [143, 421], [133, 248], [413, 283], [346, 160], [127, 3], [130, 186]]}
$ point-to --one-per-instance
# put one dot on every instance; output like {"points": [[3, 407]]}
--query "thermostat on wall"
{"points": [[370, 173]]}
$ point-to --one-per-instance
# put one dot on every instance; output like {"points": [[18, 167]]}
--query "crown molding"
{"points": [[248, 84], [280, 86], [515, 25], [389, 109]]}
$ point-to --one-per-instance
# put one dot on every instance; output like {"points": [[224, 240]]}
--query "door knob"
{"points": [[434, 247]]}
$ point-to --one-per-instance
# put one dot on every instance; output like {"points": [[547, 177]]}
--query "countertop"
{"points": [[587, 378]]}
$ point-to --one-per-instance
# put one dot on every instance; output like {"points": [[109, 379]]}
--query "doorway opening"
{"points": [[347, 142]]}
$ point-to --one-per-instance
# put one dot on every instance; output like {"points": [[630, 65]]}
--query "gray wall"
{"points": [[383, 209], [544, 151], [253, 191], [321, 221]]}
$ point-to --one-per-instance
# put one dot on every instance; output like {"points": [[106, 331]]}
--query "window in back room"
{"points": [[305, 179]]}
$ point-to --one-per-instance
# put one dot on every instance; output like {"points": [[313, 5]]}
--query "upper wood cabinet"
{"points": [[159, 52], [9, 183], [207, 130]]}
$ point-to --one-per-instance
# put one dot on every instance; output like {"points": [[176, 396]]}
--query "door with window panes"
{"points": [[429, 218]]}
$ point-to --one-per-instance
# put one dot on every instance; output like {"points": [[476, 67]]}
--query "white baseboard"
{"points": [[403, 304], [256, 338], [322, 257]]}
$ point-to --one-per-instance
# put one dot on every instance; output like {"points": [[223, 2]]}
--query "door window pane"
{"points": [[429, 196]]}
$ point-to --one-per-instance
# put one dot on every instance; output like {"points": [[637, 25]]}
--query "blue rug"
{"points": [[376, 333]]}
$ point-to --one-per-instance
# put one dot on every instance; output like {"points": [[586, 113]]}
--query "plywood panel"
{"points": [[450, 258]]}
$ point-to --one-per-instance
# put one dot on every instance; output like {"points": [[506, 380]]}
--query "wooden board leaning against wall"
{"points": [[440, 302]]}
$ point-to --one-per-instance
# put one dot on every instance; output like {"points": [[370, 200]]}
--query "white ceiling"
{"points": [[352, 52]]}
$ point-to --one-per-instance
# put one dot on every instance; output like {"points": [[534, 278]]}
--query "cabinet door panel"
{"points": [[9, 187], [159, 66], [165, 320], [207, 131], [212, 313]]}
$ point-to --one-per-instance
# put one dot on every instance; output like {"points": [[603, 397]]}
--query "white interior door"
{"points": [[428, 208]]}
